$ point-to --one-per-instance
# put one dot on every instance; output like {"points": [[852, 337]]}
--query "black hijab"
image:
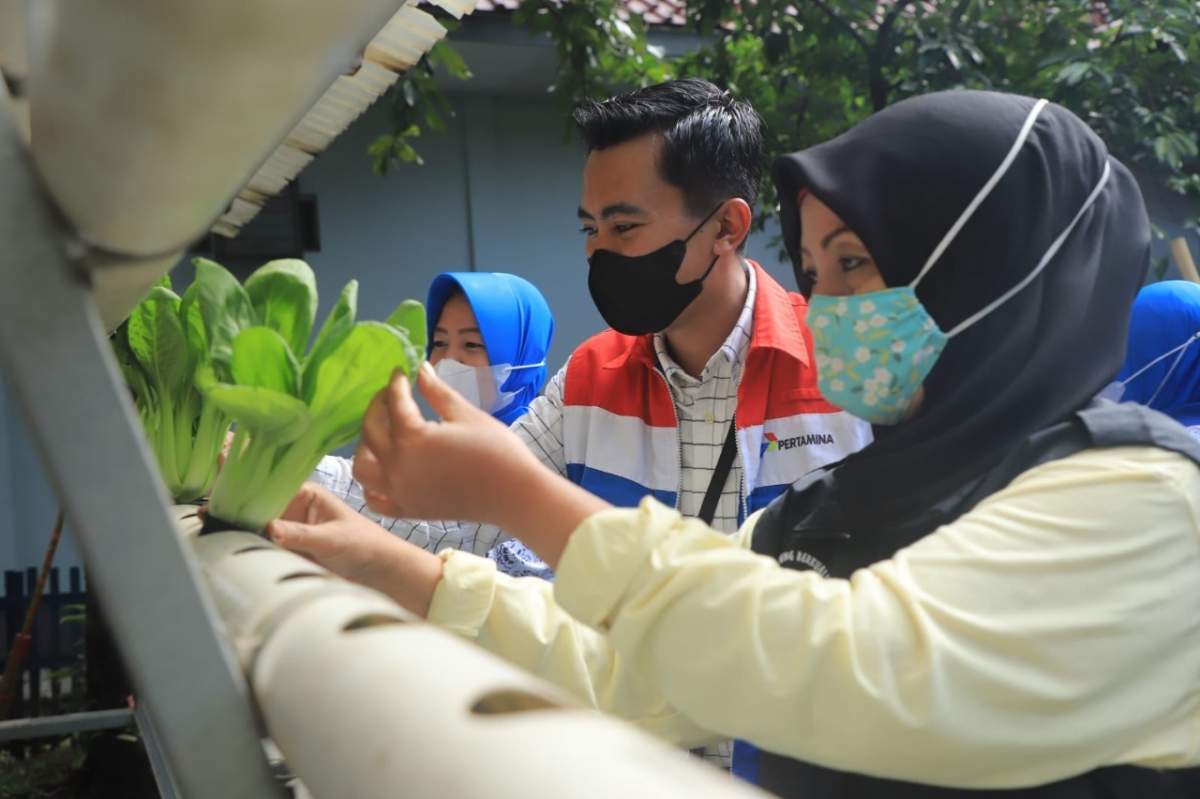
{"points": [[900, 180]]}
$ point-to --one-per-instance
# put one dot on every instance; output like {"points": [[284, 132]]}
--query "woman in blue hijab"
{"points": [[1162, 357], [493, 346], [509, 317]]}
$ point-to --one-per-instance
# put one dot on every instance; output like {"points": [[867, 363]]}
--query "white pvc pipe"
{"points": [[366, 701], [13, 57], [148, 115]]}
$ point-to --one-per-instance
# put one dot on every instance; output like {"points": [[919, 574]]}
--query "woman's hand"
{"points": [[322, 528], [467, 466]]}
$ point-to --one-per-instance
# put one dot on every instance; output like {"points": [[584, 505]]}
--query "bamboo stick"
{"points": [[1183, 260], [20, 647]]}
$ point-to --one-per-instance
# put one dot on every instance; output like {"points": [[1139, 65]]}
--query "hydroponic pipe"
{"points": [[364, 700], [148, 115]]}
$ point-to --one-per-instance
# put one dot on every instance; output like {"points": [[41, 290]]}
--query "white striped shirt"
{"points": [[704, 408]]}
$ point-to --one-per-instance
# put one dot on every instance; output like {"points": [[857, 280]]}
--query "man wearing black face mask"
{"points": [[704, 392]]}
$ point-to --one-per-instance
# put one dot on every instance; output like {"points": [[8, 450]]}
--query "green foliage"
{"points": [[418, 105], [1131, 69], [44, 772], [597, 50], [290, 408]]}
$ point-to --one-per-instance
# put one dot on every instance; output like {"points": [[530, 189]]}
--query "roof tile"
{"points": [[655, 12]]}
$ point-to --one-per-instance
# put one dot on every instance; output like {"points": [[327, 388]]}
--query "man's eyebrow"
{"points": [[622, 209], [616, 209], [825, 241]]}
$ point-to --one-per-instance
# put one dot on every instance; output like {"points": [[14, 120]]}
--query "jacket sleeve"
{"points": [[1053, 630]]}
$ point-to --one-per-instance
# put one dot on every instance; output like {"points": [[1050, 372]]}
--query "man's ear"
{"points": [[735, 219]]}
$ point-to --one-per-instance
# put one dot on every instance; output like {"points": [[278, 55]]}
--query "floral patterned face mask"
{"points": [[874, 350]]}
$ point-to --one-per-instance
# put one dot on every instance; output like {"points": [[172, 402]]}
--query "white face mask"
{"points": [[1116, 390], [480, 385]]}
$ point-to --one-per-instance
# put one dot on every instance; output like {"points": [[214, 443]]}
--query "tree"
{"points": [[814, 68]]}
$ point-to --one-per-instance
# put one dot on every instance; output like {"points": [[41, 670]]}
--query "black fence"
{"points": [[52, 678]]}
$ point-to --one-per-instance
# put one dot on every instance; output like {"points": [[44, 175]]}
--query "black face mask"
{"points": [[637, 294]]}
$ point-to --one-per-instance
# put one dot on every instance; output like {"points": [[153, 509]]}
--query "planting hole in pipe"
{"points": [[251, 548], [301, 576], [498, 703], [369, 620]]}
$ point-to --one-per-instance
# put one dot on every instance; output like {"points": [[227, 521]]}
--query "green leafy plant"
{"points": [[290, 407], [158, 353]]}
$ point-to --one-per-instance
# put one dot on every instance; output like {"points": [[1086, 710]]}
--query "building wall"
{"points": [[28, 505]]}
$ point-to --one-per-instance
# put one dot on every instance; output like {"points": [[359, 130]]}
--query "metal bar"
{"points": [[62, 372], [51, 726], [154, 753]]}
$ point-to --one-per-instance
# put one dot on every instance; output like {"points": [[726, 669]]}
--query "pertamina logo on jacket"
{"points": [[771, 443]]}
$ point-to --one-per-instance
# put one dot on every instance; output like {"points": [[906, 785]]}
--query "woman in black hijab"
{"points": [[1002, 592]]}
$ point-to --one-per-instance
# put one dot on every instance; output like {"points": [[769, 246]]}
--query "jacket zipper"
{"points": [[743, 500], [678, 441]]}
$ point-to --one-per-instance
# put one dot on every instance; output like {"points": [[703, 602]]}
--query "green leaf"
{"points": [[193, 325], [224, 306], [261, 410], [158, 341], [262, 358], [352, 375], [1073, 72], [337, 326], [135, 377], [409, 317], [284, 295], [449, 58]]}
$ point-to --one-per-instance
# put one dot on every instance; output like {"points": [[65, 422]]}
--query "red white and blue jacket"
{"points": [[620, 431]]}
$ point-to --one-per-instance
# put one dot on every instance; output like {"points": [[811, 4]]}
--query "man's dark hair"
{"points": [[712, 143]]}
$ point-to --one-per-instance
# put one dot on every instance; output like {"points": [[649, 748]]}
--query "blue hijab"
{"points": [[1165, 315], [515, 322]]}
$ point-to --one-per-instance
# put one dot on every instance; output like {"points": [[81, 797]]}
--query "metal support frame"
{"points": [[53, 726], [56, 355]]}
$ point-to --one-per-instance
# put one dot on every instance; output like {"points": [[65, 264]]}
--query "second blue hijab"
{"points": [[514, 321], [1165, 316]]}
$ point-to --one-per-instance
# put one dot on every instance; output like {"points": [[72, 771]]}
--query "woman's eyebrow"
{"points": [[830, 237]]}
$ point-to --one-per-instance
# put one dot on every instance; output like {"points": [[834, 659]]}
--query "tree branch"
{"points": [[957, 14], [837, 19], [889, 20], [878, 85]]}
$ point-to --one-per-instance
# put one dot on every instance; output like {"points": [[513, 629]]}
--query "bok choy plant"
{"points": [[158, 354], [290, 405]]}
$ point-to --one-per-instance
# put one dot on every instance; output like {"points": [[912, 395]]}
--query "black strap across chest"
{"points": [[708, 508]]}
